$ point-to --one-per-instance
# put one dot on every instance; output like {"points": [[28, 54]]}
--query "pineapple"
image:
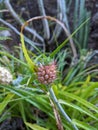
{"points": [[47, 73]]}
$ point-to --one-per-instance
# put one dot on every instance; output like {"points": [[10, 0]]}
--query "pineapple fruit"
{"points": [[47, 73]]}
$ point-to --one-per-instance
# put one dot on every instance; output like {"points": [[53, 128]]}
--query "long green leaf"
{"points": [[89, 89], [84, 125], [31, 98], [63, 44], [14, 58], [81, 100], [28, 59], [5, 102], [3, 28], [35, 126], [78, 108]]}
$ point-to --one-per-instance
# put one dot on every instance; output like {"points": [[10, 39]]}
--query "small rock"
{"points": [[5, 33]]}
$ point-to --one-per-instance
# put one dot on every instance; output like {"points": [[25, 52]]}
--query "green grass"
{"points": [[75, 92]]}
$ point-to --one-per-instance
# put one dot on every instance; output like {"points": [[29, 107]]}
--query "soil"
{"points": [[92, 5], [12, 124]]}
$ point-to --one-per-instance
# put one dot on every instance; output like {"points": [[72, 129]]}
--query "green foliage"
{"points": [[35, 127], [79, 101], [80, 15], [75, 92], [64, 43], [6, 100], [31, 64], [3, 28]]}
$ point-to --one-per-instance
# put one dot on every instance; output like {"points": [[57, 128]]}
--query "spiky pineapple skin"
{"points": [[47, 73]]}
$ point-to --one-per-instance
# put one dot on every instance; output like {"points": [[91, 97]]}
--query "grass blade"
{"points": [[6, 100], [35, 126]]}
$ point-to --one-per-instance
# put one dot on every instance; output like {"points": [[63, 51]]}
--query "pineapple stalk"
{"points": [[61, 108], [46, 75]]}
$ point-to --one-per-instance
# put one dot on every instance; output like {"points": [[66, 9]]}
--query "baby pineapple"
{"points": [[47, 73]]}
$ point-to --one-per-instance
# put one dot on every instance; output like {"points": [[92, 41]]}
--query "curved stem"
{"points": [[61, 24], [61, 108]]}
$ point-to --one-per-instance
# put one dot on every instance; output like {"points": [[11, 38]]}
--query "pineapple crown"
{"points": [[43, 60]]}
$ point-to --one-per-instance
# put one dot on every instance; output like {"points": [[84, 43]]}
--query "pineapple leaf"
{"points": [[31, 64], [35, 127]]}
